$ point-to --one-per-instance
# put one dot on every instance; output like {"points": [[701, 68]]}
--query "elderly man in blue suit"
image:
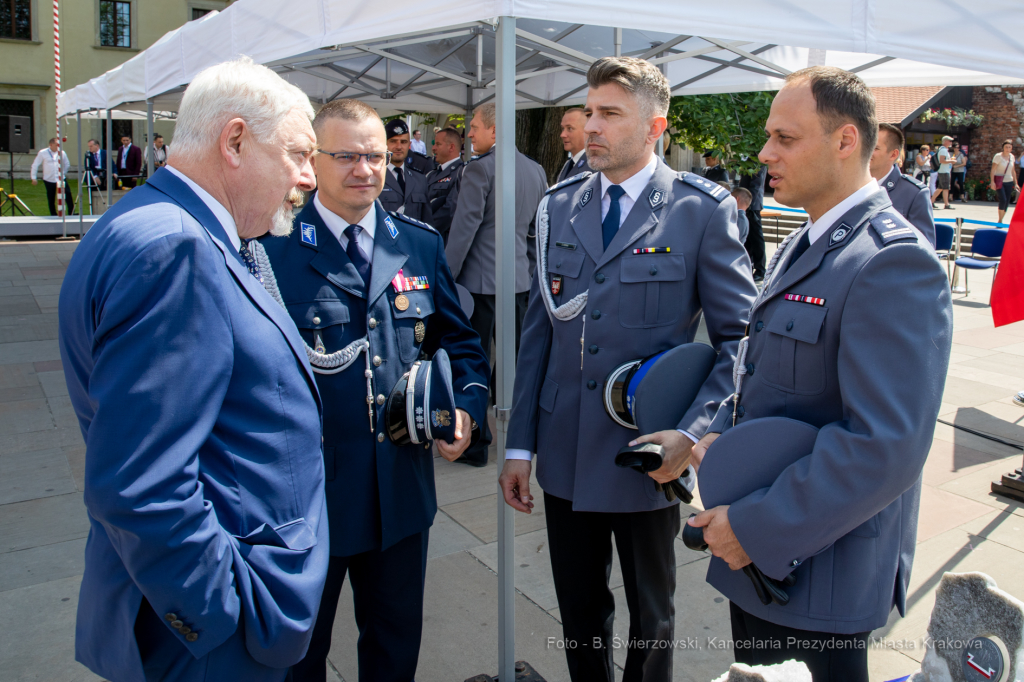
{"points": [[373, 289], [204, 483]]}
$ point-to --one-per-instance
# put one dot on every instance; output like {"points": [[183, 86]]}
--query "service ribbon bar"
{"points": [[656, 249], [805, 299], [402, 283]]}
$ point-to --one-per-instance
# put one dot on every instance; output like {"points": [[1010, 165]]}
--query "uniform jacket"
{"points": [[100, 171], [414, 198], [377, 493], [470, 246], [203, 478], [715, 173], [440, 184], [911, 200], [570, 169], [867, 367], [638, 305], [133, 164]]}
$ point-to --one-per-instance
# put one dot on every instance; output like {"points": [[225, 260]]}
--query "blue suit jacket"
{"points": [[90, 164], [203, 475], [377, 492]]}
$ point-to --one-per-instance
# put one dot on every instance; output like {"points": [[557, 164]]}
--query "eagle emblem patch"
{"points": [[308, 234], [441, 418]]}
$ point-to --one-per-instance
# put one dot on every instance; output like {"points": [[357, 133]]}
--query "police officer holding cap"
{"points": [[405, 187], [374, 301], [628, 259]]}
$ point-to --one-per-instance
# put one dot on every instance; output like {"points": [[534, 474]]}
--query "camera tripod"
{"points": [[9, 200]]}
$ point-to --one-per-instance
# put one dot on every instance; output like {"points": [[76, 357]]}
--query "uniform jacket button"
{"points": [[177, 624], [654, 271], [376, 361], [417, 310], [740, 412], [380, 399], [596, 314], [750, 369], [380, 437], [759, 326], [789, 326], [599, 278], [316, 320], [591, 384], [373, 323], [558, 264], [169, 617], [184, 629], [191, 637], [593, 350]]}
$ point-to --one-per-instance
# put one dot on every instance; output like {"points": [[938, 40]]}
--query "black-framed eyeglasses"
{"points": [[373, 159]]}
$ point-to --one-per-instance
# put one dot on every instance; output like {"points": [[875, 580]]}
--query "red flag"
{"points": [[1008, 290]]}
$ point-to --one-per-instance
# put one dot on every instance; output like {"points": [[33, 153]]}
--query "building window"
{"points": [[20, 107], [16, 19], [197, 13], [115, 23]]}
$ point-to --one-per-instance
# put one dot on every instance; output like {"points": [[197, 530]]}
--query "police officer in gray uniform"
{"points": [[470, 248], [574, 141], [908, 195], [442, 180], [851, 335], [405, 187], [628, 259]]}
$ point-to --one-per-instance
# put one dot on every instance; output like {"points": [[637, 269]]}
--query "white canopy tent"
{"points": [[443, 56]]}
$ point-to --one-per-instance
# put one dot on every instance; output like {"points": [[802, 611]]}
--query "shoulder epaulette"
{"points": [[411, 167], [568, 181], [914, 181], [892, 228], [716, 191], [412, 221]]}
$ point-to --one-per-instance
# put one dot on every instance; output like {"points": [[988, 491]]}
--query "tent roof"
{"points": [[438, 55]]}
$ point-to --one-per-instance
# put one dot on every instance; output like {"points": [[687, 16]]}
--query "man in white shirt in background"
{"points": [[47, 158], [946, 158], [417, 144]]}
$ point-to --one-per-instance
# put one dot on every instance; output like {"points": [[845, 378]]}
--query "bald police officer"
{"points": [[629, 258], [372, 289], [851, 335], [405, 187], [908, 196]]}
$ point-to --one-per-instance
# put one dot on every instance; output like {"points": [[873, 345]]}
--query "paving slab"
{"points": [[960, 437], [448, 537], [45, 521], [967, 392], [1010, 384], [977, 487], [947, 461], [458, 482], [53, 384], [24, 416], [480, 516], [38, 642], [941, 511], [18, 305], [28, 351], [31, 475], [41, 440], [42, 564]]}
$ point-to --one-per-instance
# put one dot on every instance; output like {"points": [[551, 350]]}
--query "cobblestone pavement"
{"points": [[43, 523]]}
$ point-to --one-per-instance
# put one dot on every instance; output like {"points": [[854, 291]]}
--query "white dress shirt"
{"points": [[829, 218], [633, 187], [577, 156], [444, 166], [217, 208], [48, 160], [123, 162], [418, 146], [337, 225]]}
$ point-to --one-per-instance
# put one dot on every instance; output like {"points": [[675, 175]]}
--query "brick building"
{"points": [[1003, 109]]}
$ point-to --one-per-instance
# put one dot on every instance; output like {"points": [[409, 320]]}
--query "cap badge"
{"points": [[441, 418]]}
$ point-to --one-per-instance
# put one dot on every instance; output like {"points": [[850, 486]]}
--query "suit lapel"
{"points": [[391, 182], [585, 217], [644, 214], [328, 258], [388, 259], [166, 182]]}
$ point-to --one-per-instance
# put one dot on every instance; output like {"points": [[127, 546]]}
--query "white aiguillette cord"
{"points": [[739, 369], [322, 363]]}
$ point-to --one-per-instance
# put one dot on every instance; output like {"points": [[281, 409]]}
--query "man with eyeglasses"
{"points": [[405, 187], [353, 276]]}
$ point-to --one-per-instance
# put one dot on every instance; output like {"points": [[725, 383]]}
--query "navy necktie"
{"points": [[401, 178], [355, 254], [610, 224], [802, 244], [250, 262]]}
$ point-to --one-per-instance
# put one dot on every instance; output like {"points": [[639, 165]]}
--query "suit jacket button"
{"points": [[789, 326], [750, 369], [599, 278], [184, 629], [316, 320], [417, 310], [177, 624], [373, 323], [380, 399], [170, 617], [558, 264], [591, 384], [596, 314], [654, 271], [380, 437], [593, 350], [759, 326], [376, 361], [740, 412], [191, 637]]}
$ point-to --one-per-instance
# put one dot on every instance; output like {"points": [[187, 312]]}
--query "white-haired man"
{"points": [[204, 483]]}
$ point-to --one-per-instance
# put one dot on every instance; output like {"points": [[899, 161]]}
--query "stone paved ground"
{"points": [[43, 523]]}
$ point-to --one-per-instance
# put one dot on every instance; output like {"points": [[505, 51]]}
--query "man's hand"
{"points": [[452, 451], [701, 449], [719, 536], [34, 182], [515, 484], [677, 454]]}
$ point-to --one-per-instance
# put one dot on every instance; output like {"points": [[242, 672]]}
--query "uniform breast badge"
{"points": [[420, 330], [402, 302], [556, 285]]}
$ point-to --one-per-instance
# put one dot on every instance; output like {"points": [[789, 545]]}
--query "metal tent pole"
{"points": [[954, 286], [150, 153], [467, 146], [81, 220], [505, 311], [110, 154], [618, 42]]}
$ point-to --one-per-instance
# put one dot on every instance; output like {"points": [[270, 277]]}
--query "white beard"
{"points": [[281, 223]]}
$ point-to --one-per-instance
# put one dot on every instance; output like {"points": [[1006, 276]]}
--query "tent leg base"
{"points": [[524, 673]]}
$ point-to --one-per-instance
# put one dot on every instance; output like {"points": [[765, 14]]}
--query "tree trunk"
{"points": [[537, 133]]}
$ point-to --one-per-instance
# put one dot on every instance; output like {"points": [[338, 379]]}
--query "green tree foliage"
{"points": [[731, 124]]}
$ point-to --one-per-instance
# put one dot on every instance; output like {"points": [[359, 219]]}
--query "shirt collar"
{"points": [[634, 185], [885, 178], [444, 166], [337, 225], [576, 157], [817, 228], [217, 208]]}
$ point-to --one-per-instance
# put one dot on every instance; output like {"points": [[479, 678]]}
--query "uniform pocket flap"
{"points": [[653, 268], [565, 262], [800, 321], [318, 314], [421, 304], [296, 535], [417, 198]]}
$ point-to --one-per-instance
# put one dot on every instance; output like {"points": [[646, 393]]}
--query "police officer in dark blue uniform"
{"points": [[372, 293], [442, 180], [405, 187], [909, 196]]}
